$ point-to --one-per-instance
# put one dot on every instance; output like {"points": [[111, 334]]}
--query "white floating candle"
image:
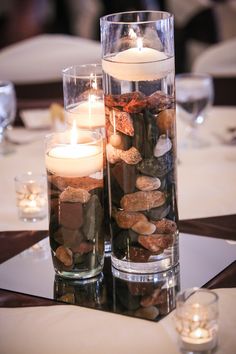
{"points": [[74, 160], [88, 114], [138, 64]]}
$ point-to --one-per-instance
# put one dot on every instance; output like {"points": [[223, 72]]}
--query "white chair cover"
{"points": [[42, 58], [219, 60]]}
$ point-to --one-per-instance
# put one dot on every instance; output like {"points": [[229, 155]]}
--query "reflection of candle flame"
{"points": [[140, 43], [199, 333], [74, 134], [132, 34]]}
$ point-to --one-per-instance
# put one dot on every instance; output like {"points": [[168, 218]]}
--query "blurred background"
{"points": [[205, 33], [198, 23]]}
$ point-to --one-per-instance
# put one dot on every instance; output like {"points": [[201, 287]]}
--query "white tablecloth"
{"points": [[206, 176], [72, 329]]}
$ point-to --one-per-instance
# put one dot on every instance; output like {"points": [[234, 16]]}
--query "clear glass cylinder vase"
{"points": [[139, 94]]}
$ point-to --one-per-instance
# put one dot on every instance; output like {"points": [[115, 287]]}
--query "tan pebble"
{"points": [[158, 297], [156, 243], [131, 156], [122, 122], [165, 226], [143, 200], [64, 255], [144, 228], [150, 313], [146, 183], [75, 195], [166, 122], [115, 140], [113, 154], [126, 220]]}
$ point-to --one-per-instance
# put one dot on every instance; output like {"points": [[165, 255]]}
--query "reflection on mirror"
{"points": [[145, 296]]}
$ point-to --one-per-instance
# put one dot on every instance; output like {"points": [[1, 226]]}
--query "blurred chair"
{"points": [[35, 65], [219, 60]]}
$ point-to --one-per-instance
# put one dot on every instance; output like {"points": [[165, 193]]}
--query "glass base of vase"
{"points": [[77, 275], [155, 266]]}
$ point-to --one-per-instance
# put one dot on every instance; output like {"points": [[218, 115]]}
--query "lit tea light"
{"points": [[31, 197], [198, 340], [196, 322], [139, 63], [75, 159]]}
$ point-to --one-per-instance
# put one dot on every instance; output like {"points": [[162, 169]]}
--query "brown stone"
{"points": [[68, 237], [144, 228], [159, 101], [64, 255], [125, 175], [156, 243], [158, 297], [143, 200], [146, 183], [137, 254], [140, 288], [123, 122], [75, 195], [166, 122], [83, 248], [149, 313], [131, 156], [126, 220], [71, 215], [165, 226], [87, 183]]}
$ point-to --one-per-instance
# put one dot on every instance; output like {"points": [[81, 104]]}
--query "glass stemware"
{"points": [[7, 114], [194, 96]]}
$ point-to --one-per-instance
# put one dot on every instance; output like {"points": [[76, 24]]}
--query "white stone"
{"points": [[163, 145]]}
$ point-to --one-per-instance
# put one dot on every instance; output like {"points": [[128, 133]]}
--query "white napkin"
{"points": [[36, 118], [70, 329], [24, 136]]}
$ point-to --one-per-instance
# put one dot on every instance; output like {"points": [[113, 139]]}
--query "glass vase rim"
{"points": [[66, 71], [96, 140], [194, 75], [194, 290], [29, 175], [106, 17]]}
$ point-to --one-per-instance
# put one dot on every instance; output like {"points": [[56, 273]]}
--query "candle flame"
{"points": [[73, 134]]}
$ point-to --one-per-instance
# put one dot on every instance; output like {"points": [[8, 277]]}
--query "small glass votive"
{"points": [[197, 320], [31, 196], [74, 163], [83, 96]]}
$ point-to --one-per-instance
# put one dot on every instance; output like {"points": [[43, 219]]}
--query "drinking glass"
{"points": [[194, 96], [7, 114]]}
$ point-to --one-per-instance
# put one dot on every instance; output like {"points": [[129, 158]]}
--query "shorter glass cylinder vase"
{"points": [[74, 162], [83, 96]]}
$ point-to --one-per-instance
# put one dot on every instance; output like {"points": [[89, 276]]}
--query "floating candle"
{"points": [[88, 114], [138, 64], [81, 156]]}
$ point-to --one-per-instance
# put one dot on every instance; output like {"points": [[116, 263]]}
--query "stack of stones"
{"points": [[149, 300], [76, 222], [141, 151]]}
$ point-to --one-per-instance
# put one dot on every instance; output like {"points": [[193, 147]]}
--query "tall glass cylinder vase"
{"points": [[139, 94]]}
